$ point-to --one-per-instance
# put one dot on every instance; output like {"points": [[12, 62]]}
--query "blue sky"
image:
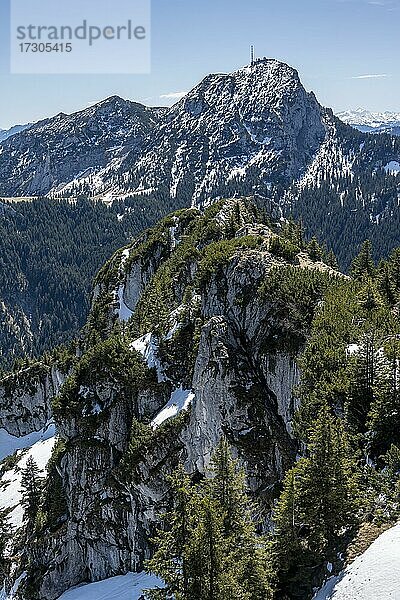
{"points": [[346, 51]]}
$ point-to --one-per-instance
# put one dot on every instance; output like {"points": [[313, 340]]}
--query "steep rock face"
{"points": [[25, 399], [213, 365]]}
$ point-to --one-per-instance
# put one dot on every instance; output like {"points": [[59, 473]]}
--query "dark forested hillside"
{"points": [[348, 200], [49, 253]]}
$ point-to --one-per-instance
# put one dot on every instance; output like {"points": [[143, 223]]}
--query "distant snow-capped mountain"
{"points": [[372, 122], [7, 133]]}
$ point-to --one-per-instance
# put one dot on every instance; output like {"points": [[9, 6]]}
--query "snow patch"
{"points": [[124, 313], [147, 346], [392, 167], [373, 575], [352, 349], [10, 483], [14, 589], [180, 400], [10, 443], [124, 587]]}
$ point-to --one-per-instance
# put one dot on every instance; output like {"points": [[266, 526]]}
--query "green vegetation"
{"points": [[109, 361], [207, 548], [49, 253], [293, 294], [284, 248], [347, 425]]}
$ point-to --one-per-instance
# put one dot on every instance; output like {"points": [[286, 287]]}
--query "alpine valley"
{"points": [[218, 418]]}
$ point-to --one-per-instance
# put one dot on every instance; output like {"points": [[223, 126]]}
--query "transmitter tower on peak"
{"points": [[252, 55]]}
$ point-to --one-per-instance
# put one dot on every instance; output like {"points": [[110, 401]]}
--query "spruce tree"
{"points": [[228, 487], [363, 265], [318, 504], [208, 548], [314, 250], [170, 561], [209, 561], [31, 488], [331, 260], [6, 531], [384, 415]]}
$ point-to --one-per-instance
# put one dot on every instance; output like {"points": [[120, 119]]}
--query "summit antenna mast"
{"points": [[252, 60]]}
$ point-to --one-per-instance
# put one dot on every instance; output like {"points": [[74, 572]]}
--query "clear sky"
{"points": [[346, 51]]}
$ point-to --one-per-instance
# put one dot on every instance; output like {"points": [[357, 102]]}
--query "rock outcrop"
{"points": [[26, 398]]}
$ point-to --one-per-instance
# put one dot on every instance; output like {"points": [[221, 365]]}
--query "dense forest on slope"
{"points": [[349, 200], [49, 253]]}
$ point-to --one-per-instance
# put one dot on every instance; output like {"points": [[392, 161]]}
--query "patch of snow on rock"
{"points": [[392, 167], [14, 589], [352, 349], [124, 313], [147, 346], [180, 400], [375, 575], [10, 443]]}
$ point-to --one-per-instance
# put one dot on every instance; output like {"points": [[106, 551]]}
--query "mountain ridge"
{"points": [[372, 122]]}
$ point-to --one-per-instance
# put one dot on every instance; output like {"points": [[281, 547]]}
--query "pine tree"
{"points": [[208, 548], [208, 556], [228, 487], [331, 260], [394, 268], [384, 415], [365, 367], [294, 232], [314, 250], [385, 285], [31, 488], [363, 265]]}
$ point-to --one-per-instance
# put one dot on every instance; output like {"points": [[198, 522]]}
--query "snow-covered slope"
{"points": [[126, 587], [375, 575], [372, 122]]}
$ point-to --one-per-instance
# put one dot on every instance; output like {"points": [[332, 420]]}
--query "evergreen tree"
{"points": [[5, 536], [318, 504], [31, 488], [363, 265], [394, 269], [208, 548], [314, 250], [294, 232], [331, 260], [228, 488], [385, 285], [170, 560], [211, 569], [384, 415]]}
